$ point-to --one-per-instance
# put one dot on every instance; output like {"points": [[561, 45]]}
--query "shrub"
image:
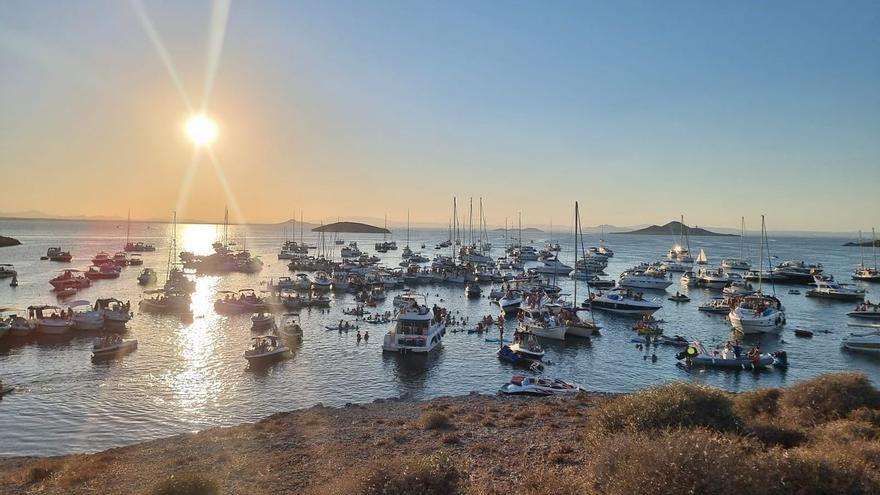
{"points": [[428, 475], [828, 397], [763, 402], [187, 484], [674, 405], [775, 435], [435, 420]]}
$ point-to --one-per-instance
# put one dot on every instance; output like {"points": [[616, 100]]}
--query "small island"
{"points": [[351, 227], [863, 243], [8, 241], [674, 228]]}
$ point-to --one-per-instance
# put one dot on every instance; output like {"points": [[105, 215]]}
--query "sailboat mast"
{"points": [[742, 238], [761, 263], [407, 227], [874, 246], [575, 240], [301, 241], [862, 250], [471, 222], [128, 228], [520, 229]]}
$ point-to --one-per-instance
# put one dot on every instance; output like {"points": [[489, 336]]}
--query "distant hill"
{"points": [[351, 227], [673, 228], [863, 243], [532, 230], [8, 241]]}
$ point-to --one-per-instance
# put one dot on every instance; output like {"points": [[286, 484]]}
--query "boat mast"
{"points": [[471, 222], [128, 228], [874, 244], [862, 250], [455, 224], [225, 226], [520, 230], [407, 227], [761, 263], [742, 238], [301, 241]]}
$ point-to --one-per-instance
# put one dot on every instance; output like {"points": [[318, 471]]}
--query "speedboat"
{"points": [[290, 327], [828, 288], [262, 321], [56, 254], [644, 279], [678, 297], [717, 305], [697, 356], [553, 267], [138, 247], [526, 385], [112, 346], [19, 326], [88, 319], [135, 260], [104, 271], [712, 279], [736, 264], [866, 310], [622, 302], [147, 276], [162, 301], [321, 282], [417, 329], [797, 271], [473, 291], [50, 320], [101, 258], [757, 313], [69, 278], [7, 270], [740, 288], [264, 350], [863, 342], [120, 259], [540, 322], [528, 348], [115, 313], [511, 301]]}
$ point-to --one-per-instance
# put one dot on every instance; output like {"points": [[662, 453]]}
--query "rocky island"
{"points": [[8, 241], [674, 228]]}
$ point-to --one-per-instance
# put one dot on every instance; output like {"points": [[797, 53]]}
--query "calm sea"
{"points": [[190, 376]]}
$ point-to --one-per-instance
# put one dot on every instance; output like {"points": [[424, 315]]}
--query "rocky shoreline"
{"points": [[8, 241], [819, 435]]}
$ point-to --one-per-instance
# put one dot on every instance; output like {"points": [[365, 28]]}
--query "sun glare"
{"points": [[201, 130]]}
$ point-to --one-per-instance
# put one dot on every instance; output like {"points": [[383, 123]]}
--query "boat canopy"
{"points": [[78, 303]]}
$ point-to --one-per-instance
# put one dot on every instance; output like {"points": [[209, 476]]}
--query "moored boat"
{"points": [[526, 385], [264, 350], [112, 346]]}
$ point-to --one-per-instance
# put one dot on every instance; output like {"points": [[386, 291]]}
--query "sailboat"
{"points": [[135, 247], [576, 326], [758, 313], [866, 273], [740, 263], [174, 298], [407, 252], [701, 258], [681, 252]]}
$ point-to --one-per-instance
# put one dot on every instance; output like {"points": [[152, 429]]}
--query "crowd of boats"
{"points": [[523, 287]]}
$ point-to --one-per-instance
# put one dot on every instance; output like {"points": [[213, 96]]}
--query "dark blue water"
{"points": [[190, 376]]}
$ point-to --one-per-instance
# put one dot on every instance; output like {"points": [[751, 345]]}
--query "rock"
{"points": [[8, 241]]}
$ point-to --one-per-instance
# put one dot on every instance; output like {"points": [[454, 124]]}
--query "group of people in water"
{"points": [[867, 305]]}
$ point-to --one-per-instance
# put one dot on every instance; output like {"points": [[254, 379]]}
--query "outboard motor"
{"points": [[781, 358]]}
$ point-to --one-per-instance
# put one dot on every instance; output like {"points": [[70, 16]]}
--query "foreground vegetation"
{"points": [[820, 436]]}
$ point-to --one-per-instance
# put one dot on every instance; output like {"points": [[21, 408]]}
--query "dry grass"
{"points": [[827, 398], [667, 406], [187, 484], [429, 475], [435, 420]]}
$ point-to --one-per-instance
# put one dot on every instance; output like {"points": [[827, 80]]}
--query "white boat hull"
{"points": [[53, 327], [555, 332]]}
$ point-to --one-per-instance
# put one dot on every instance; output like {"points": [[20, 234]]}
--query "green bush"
{"points": [[667, 406], [827, 398], [187, 484]]}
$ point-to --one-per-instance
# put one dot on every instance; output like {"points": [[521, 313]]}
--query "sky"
{"points": [[641, 111]]}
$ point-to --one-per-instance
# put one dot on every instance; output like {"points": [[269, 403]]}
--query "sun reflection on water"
{"points": [[197, 383]]}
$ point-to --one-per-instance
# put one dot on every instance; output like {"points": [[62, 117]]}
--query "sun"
{"points": [[201, 130]]}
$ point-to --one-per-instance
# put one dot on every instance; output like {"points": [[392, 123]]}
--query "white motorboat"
{"points": [[738, 288], [262, 321], [290, 327], [717, 305], [796, 271], [863, 342], [19, 326], [86, 319], [648, 278], [56, 254], [112, 346], [715, 279], [553, 267], [50, 320], [828, 288], [677, 266], [528, 348], [866, 310], [115, 313], [623, 302], [265, 349], [526, 385], [350, 251], [417, 328], [340, 281], [321, 282], [863, 272], [540, 322], [757, 313], [511, 301]]}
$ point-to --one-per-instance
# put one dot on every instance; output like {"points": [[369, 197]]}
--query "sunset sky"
{"points": [[639, 110]]}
